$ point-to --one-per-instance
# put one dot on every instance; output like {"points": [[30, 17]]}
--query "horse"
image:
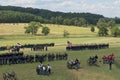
{"points": [[9, 76]]}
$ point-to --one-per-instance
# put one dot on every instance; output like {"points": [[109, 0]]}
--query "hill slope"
{"points": [[47, 14], [18, 17]]}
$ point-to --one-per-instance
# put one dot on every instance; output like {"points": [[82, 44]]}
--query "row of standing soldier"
{"points": [[32, 46], [19, 58], [86, 46]]}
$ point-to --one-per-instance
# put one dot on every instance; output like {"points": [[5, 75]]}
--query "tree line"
{"points": [[56, 17], [18, 17], [47, 16]]}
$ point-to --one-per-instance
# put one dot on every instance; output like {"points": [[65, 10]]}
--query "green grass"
{"points": [[60, 72], [11, 34], [13, 29], [12, 40]]}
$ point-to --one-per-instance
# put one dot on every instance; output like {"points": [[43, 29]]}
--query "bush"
{"points": [[92, 29], [65, 34]]}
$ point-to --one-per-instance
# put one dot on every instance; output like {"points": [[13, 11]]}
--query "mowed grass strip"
{"points": [[12, 40]]}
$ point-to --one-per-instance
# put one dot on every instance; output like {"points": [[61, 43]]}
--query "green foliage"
{"points": [[115, 31], [46, 16], [111, 24], [101, 23], [32, 28], [45, 30], [102, 26], [92, 29], [18, 17], [83, 22], [103, 31], [55, 17], [65, 33]]}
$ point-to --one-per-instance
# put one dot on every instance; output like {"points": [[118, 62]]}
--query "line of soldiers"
{"points": [[88, 46], [7, 58], [2, 48], [20, 58], [51, 57]]}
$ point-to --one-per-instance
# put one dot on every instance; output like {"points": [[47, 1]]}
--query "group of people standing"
{"points": [[109, 60], [43, 69], [71, 64]]}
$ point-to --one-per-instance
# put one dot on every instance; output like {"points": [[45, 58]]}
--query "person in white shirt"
{"points": [[49, 69]]}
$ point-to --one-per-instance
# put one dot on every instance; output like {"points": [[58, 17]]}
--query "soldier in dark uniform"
{"points": [[46, 48], [110, 65]]}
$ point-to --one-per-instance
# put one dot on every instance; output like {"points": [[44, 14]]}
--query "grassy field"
{"points": [[60, 72], [11, 34], [18, 29]]}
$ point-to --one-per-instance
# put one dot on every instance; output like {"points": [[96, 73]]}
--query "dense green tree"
{"points": [[59, 20], [102, 26], [111, 24], [53, 20], [18, 17], [66, 22], [33, 27], [101, 22], [103, 31], [45, 30], [115, 31], [48, 15], [83, 22]]}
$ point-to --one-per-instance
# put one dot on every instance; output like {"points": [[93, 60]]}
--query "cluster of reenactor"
{"points": [[108, 59], [20, 58], [88, 47], [34, 47], [73, 64], [43, 69], [51, 57], [10, 58], [92, 60]]}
